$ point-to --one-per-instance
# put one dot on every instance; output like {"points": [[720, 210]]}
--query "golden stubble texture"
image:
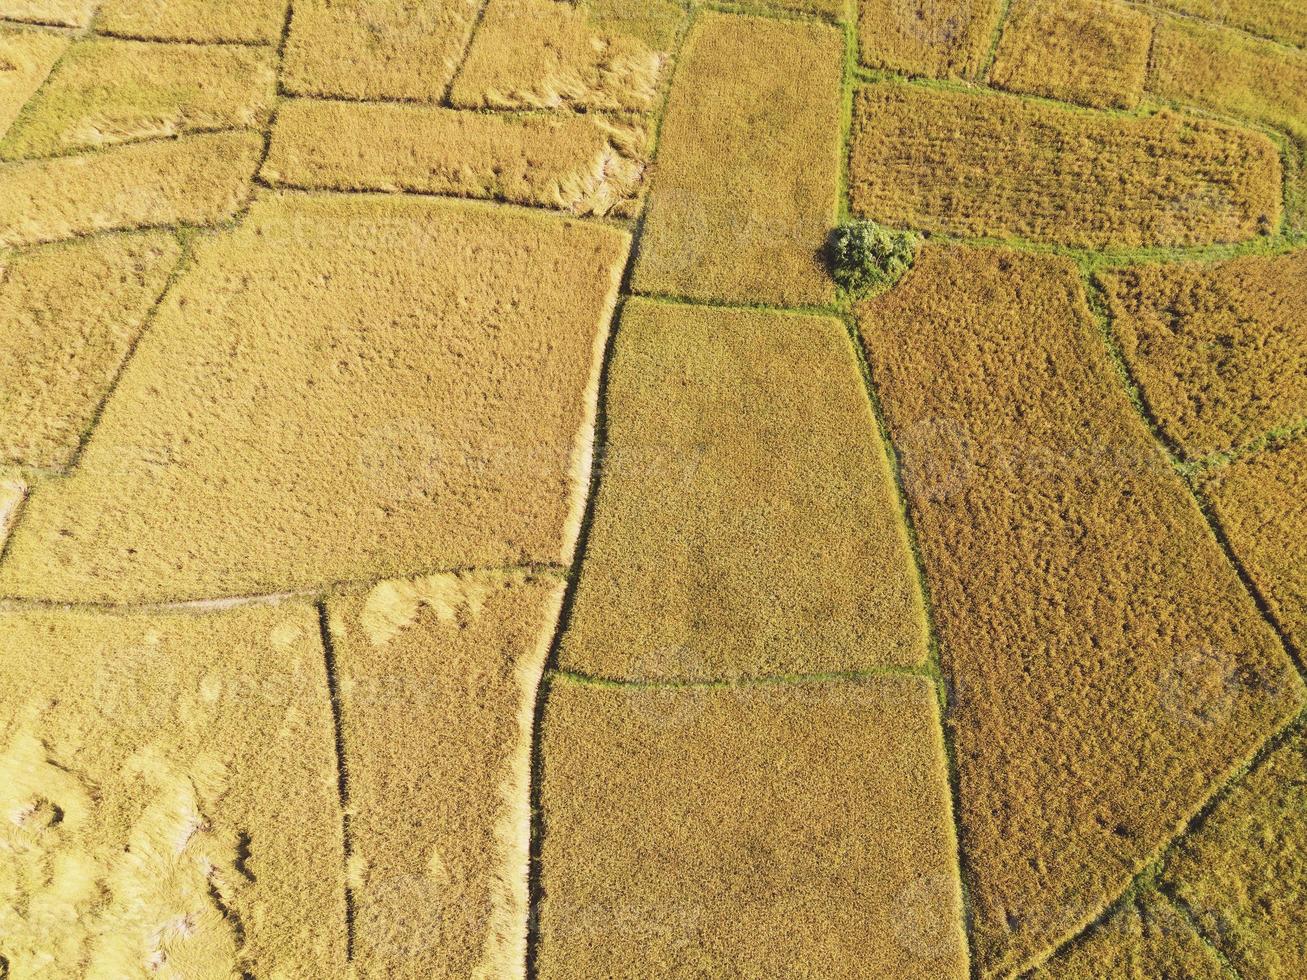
{"points": [[69, 314], [252, 21], [438, 681], [108, 91], [744, 192], [377, 49], [56, 13], [584, 164], [420, 372], [1094, 52], [196, 180], [759, 831], [1218, 350], [747, 522], [593, 54], [936, 38], [1261, 504], [168, 785], [990, 164], [1108, 671], [1243, 871], [26, 58]]}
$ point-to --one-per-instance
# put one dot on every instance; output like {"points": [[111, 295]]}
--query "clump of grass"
{"points": [[866, 257]]}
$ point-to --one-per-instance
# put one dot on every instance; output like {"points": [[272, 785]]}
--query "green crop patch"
{"points": [[1094, 52], [438, 680], [936, 38], [1243, 872], [107, 91], [1284, 20], [250, 21], [365, 49], [998, 165], [197, 180], [1219, 351], [325, 366], [26, 58], [169, 789], [1259, 503], [1145, 938], [584, 164], [744, 193], [69, 314], [590, 54], [729, 432], [1107, 668], [741, 831], [56, 13]]}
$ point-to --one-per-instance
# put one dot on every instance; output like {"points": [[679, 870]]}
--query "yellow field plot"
{"points": [[252, 21], [376, 49], [834, 9], [730, 431], [421, 372], [1094, 52], [938, 38], [26, 58], [748, 165], [197, 180], [1108, 668], [56, 13], [1243, 872], [1208, 66], [748, 831], [1259, 503], [1220, 351], [438, 680], [595, 54], [69, 314], [106, 91], [972, 164], [169, 789], [579, 163], [1146, 937], [1285, 20]]}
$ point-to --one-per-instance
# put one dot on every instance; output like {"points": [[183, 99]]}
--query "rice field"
{"points": [[584, 489]]}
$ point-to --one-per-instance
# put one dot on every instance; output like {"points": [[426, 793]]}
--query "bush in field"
{"points": [[865, 256]]}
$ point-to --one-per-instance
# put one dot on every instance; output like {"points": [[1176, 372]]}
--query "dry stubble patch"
{"points": [[197, 180], [1107, 668], [1261, 503], [169, 789], [747, 521], [108, 91], [1146, 938], [376, 49], [747, 831], [69, 314], [1285, 20], [593, 54], [252, 21], [26, 58], [1220, 351], [580, 163], [438, 680], [989, 164], [1094, 52], [57, 13], [937, 38], [419, 371], [745, 189], [1243, 872]]}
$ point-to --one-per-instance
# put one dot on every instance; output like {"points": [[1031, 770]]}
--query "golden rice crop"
{"points": [[1285, 20], [938, 38], [59, 13], [252, 21], [26, 58]]}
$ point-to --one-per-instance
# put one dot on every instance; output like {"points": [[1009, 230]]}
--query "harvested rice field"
{"points": [[587, 489]]}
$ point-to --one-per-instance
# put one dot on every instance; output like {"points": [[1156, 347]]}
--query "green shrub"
{"points": [[865, 257]]}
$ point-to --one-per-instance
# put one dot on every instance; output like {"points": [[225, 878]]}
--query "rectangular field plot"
{"points": [[26, 58], [1284, 20], [579, 163], [744, 192], [936, 38], [1108, 668], [251, 21], [997, 165]]}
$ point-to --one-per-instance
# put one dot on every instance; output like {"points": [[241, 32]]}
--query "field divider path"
{"points": [[342, 772]]}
